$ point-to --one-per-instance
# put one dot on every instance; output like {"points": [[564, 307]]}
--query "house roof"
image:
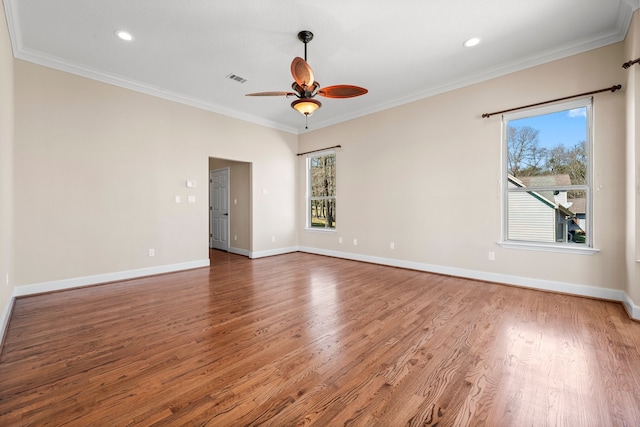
{"points": [[545, 180], [578, 206], [544, 196]]}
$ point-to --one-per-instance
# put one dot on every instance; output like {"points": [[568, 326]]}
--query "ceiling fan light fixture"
{"points": [[305, 87], [306, 106]]}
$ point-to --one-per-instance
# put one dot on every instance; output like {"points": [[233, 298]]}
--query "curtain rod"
{"points": [[630, 63], [609, 89], [322, 149]]}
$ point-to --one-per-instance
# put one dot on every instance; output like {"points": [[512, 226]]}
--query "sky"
{"points": [[565, 127]]}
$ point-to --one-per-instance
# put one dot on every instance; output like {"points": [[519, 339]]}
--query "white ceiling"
{"points": [[401, 51]]}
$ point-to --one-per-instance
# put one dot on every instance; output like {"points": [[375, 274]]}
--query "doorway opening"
{"points": [[229, 207]]}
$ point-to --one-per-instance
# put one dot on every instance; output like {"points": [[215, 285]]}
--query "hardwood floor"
{"points": [[301, 339]]}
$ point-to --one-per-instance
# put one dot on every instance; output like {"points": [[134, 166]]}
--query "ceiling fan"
{"points": [[305, 87]]}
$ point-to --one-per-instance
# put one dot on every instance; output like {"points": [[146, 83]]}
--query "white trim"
{"points": [[239, 251], [6, 316], [632, 309], [547, 285], [530, 246], [478, 76], [527, 282], [308, 196], [320, 230], [58, 285], [71, 67], [226, 169], [272, 252], [556, 107]]}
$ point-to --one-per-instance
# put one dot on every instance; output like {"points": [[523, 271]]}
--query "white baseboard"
{"points": [[239, 251], [568, 288], [545, 285], [632, 309], [272, 252], [6, 315], [57, 285]]}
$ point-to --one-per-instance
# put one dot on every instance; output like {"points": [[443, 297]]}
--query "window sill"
{"points": [[321, 230], [550, 248]]}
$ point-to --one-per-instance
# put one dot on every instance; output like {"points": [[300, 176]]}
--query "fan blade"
{"points": [[302, 72], [342, 91], [270, 94]]}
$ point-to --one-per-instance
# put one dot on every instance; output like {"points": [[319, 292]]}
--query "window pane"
{"points": [[547, 167], [323, 213], [558, 216], [322, 191], [549, 145], [577, 226], [323, 176]]}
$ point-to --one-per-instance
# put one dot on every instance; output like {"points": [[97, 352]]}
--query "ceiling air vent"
{"points": [[237, 78]]}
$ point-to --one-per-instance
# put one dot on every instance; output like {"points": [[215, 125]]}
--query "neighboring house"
{"points": [[542, 216], [579, 208]]}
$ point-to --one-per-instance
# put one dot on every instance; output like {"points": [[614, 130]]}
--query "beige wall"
{"points": [[6, 168], [239, 202], [97, 169], [632, 51], [425, 176]]}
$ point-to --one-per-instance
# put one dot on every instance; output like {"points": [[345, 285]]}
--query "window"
{"points": [[321, 196], [547, 164]]}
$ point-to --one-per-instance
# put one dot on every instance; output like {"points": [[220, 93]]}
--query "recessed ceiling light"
{"points": [[471, 42], [124, 35]]}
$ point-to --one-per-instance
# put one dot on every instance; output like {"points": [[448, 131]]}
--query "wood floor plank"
{"points": [[301, 339]]}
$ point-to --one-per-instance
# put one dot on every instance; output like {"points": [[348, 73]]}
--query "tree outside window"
{"points": [[322, 190]]}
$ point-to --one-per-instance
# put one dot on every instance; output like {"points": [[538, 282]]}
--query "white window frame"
{"points": [[308, 197], [588, 247]]}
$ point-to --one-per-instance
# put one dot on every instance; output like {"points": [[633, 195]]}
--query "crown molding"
{"points": [[98, 75], [490, 73], [623, 22]]}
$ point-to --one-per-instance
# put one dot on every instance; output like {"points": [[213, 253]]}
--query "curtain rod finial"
{"points": [[626, 65]]}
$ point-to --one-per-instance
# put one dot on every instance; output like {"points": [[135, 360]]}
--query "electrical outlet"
{"points": [[339, 239], [392, 245], [273, 238], [492, 256], [235, 237], [355, 242], [152, 252]]}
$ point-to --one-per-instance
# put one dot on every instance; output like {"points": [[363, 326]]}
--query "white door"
{"points": [[219, 209]]}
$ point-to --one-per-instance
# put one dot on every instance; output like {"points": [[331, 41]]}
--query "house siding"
{"points": [[530, 219]]}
